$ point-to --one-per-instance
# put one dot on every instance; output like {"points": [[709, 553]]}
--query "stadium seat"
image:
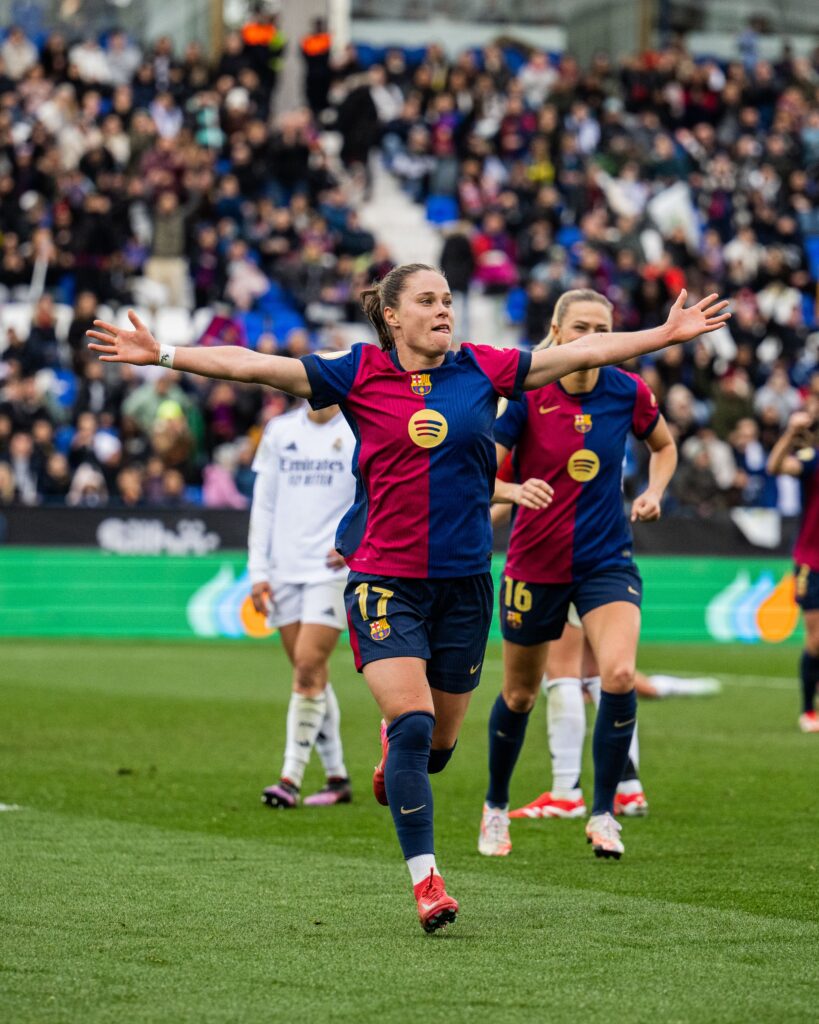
{"points": [[569, 236], [255, 324], [145, 315], [200, 318], [64, 314], [149, 293], [286, 320], [442, 209], [516, 305], [174, 326], [812, 251], [16, 315]]}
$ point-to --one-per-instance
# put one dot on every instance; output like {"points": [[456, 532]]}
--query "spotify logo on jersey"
{"points": [[427, 428], [583, 466]]}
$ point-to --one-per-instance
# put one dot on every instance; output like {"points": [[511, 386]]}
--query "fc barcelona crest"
{"points": [[582, 422], [514, 619], [420, 383], [379, 629]]}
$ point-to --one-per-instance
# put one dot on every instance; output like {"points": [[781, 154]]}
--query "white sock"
{"points": [[591, 684], [328, 741], [420, 867], [673, 686], [566, 722], [304, 718], [634, 749]]}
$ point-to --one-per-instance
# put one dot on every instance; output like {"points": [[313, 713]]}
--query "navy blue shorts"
{"points": [[535, 613], [807, 587], [444, 622]]}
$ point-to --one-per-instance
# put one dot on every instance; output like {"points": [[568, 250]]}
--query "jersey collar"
{"points": [[393, 354]]}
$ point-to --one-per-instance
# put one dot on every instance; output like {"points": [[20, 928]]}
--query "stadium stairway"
{"points": [[403, 227]]}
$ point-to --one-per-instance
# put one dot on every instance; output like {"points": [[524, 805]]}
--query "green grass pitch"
{"points": [[143, 881]]}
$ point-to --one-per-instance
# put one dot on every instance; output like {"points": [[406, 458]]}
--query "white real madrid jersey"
{"points": [[304, 485]]}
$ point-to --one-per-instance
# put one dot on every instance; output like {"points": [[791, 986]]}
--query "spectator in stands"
{"points": [[167, 265], [315, 51], [18, 53]]}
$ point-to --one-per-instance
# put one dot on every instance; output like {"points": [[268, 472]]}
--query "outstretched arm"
{"points": [[594, 350], [227, 362]]}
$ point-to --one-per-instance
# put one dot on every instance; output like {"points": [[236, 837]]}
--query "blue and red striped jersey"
{"points": [[424, 460], [576, 443], [806, 551]]}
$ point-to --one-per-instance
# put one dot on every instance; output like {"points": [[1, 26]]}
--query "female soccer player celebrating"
{"points": [[573, 546], [795, 454], [417, 539]]}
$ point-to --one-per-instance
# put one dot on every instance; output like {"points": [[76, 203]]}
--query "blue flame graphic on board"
{"points": [[222, 607], [753, 611]]}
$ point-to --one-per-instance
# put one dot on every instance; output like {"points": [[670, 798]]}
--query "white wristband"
{"points": [[166, 354]]}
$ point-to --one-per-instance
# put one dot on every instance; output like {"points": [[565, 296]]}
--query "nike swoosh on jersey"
{"points": [[622, 725], [412, 810], [543, 411]]}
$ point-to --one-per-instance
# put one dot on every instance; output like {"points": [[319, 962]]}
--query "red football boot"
{"points": [[435, 908]]}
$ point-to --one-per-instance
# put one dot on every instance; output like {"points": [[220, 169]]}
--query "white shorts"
{"points": [[317, 603]]}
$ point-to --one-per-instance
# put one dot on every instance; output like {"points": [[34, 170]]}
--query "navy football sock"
{"points": [[439, 759], [507, 730], [809, 671], [613, 729], [407, 781]]}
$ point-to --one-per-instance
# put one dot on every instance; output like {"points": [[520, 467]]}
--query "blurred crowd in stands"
{"points": [[138, 175]]}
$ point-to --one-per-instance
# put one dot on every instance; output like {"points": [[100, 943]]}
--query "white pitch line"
{"points": [[10, 807]]}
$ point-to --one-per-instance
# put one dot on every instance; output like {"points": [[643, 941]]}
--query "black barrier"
{"points": [[140, 531], [202, 531]]}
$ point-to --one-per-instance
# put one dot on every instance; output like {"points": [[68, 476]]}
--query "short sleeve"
{"points": [[646, 413], [509, 425], [331, 376], [506, 368], [506, 470]]}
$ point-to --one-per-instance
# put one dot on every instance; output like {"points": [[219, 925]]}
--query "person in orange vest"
{"points": [[315, 49], [264, 46]]}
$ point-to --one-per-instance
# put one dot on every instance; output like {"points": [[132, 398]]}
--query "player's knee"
{"points": [[439, 759], [620, 678], [309, 676], [519, 699], [411, 731]]}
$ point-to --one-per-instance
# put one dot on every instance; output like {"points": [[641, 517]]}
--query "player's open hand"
{"points": [[261, 594], [334, 560], [535, 494], [703, 317], [646, 508], [119, 345]]}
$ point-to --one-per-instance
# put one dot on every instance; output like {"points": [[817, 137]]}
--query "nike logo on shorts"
{"points": [[412, 810], [631, 590], [474, 668]]}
